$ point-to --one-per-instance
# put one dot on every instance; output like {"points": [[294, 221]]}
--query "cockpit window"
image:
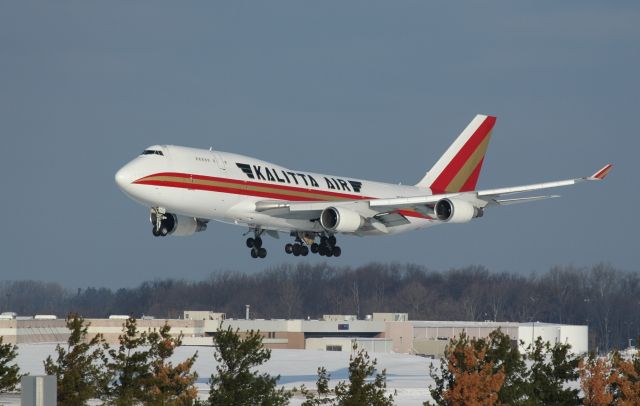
{"points": [[151, 152]]}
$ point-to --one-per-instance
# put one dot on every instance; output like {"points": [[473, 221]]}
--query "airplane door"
{"points": [[219, 160]]}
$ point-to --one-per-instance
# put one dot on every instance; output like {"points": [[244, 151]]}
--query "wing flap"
{"points": [[506, 202], [391, 219]]}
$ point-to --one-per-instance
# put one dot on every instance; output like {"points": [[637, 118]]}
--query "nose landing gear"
{"points": [[162, 223]]}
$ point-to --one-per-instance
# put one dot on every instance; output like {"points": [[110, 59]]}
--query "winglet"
{"points": [[602, 173]]}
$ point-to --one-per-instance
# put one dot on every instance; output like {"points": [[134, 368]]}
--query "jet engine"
{"points": [[456, 211], [339, 220], [175, 224]]}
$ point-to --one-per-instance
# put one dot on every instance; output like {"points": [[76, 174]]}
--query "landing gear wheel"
{"points": [[322, 250], [314, 248], [155, 232], [297, 248], [288, 248], [332, 240], [250, 242], [304, 250], [262, 252], [336, 251], [257, 242], [323, 240], [254, 253], [329, 253]]}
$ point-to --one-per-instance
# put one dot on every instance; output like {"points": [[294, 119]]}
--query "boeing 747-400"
{"points": [[185, 188]]}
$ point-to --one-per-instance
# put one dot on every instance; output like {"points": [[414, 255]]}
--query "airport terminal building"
{"points": [[379, 332]]}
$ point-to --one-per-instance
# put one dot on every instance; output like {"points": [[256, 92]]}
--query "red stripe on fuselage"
{"points": [[188, 185], [195, 186]]}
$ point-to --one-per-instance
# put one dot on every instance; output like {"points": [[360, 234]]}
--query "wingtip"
{"points": [[602, 173]]}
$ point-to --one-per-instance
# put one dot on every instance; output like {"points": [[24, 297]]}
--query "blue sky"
{"points": [[367, 89]]}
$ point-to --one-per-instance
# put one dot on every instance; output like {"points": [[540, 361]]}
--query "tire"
{"points": [[155, 232], [250, 242], [329, 253], [297, 249], [254, 253], [257, 242], [332, 240], [288, 248], [262, 252], [323, 240], [314, 248], [305, 251], [337, 251]]}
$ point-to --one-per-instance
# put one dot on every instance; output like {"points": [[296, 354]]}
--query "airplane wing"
{"points": [[393, 211], [491, 197]]}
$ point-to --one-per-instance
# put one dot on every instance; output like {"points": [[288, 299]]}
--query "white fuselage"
{"points": [[221, 186]]}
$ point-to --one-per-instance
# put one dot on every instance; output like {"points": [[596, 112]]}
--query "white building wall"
{"points": [[371, 345], [576, 336]]}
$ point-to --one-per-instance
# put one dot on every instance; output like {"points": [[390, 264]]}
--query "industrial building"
{"points": [[379, 332]]}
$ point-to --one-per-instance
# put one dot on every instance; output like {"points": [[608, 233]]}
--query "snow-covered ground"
{"points": [[406, 374]]}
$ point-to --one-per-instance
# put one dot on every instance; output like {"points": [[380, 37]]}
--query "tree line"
{"points": [[473, 372], [605, 298]]}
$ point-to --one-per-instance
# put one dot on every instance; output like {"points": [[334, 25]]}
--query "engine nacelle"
{"points": [[456, 211], [175, 224], [339, 220]]}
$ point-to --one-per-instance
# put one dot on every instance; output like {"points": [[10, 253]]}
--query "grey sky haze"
{"points": [[368, 89]]}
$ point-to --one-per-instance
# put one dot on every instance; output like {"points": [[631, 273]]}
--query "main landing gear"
{"points": [[255, 244], [305, 243], [297, 249], [328, 247]]}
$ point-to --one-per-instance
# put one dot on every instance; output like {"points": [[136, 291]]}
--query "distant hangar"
{"points": [[379, 332]]}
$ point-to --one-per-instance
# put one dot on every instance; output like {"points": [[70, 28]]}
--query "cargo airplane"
{"points": [[185, 188]]}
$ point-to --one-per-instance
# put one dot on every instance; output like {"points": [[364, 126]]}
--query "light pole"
{"points": [[533, 326]]}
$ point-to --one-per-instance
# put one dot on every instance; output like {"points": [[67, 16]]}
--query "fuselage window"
{"points": [[151, 152]]}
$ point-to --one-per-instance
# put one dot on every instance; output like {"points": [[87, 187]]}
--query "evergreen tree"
{"points": [[130, 365], [79, 367], [359, 391], [323, 393], [506, 357], [235, 384], [9, 374], [552, 369], [169, 385]]}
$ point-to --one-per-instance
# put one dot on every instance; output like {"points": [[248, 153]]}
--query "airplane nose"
{"points": [[124, 177]]}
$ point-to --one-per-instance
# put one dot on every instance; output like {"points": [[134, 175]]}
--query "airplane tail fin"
{"points": [[458, 169]]}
